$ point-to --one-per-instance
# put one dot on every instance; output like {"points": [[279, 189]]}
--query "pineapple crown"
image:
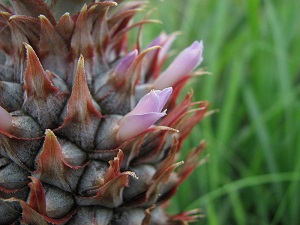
{"points": [[73, 95]]}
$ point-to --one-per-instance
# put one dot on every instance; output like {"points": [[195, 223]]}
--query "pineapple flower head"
{"points": [[90, 125]]}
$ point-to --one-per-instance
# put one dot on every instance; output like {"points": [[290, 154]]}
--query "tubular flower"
{"points": [[125, 64], [183, 64], [146, 113], [83, 140]]}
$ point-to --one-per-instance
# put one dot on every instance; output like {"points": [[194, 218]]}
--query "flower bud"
{"points": [[125, 63], [163, 40], [183, 64], [165, 44], [145, 114]]}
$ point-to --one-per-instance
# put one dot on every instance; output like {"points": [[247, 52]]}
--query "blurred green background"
{"points": [[252, 49]]}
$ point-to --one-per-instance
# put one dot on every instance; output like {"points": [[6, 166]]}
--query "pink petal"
{"points": [[154, 101], [145, 114], [133, 125], [183, 64], [166, 46], [163, 96], [125, 63], [158, 40], [148, 103]]}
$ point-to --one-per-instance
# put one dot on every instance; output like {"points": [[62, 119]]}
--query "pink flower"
{"points": [[183, 64], [166, 44], [5, 120], [163, 40], [145, 114], [125, 64]]}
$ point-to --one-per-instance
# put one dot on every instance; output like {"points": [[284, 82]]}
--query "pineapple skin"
{"points": [[62, 161]]}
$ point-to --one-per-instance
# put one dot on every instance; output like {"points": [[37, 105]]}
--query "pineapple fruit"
{"points": [[90, 130]]}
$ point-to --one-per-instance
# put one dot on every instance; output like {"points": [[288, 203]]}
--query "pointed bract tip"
{"points": [[5, 120], [49, 133], [44, 20], [80, 68], [28, 47], [31, 53], [84, 8], [31, 56], [81, 60], [43, 17]]}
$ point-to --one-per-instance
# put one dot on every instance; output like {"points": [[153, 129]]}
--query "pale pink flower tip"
{"points": [[5, 120], [125, 63], [145, 114], [182, 65]]}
